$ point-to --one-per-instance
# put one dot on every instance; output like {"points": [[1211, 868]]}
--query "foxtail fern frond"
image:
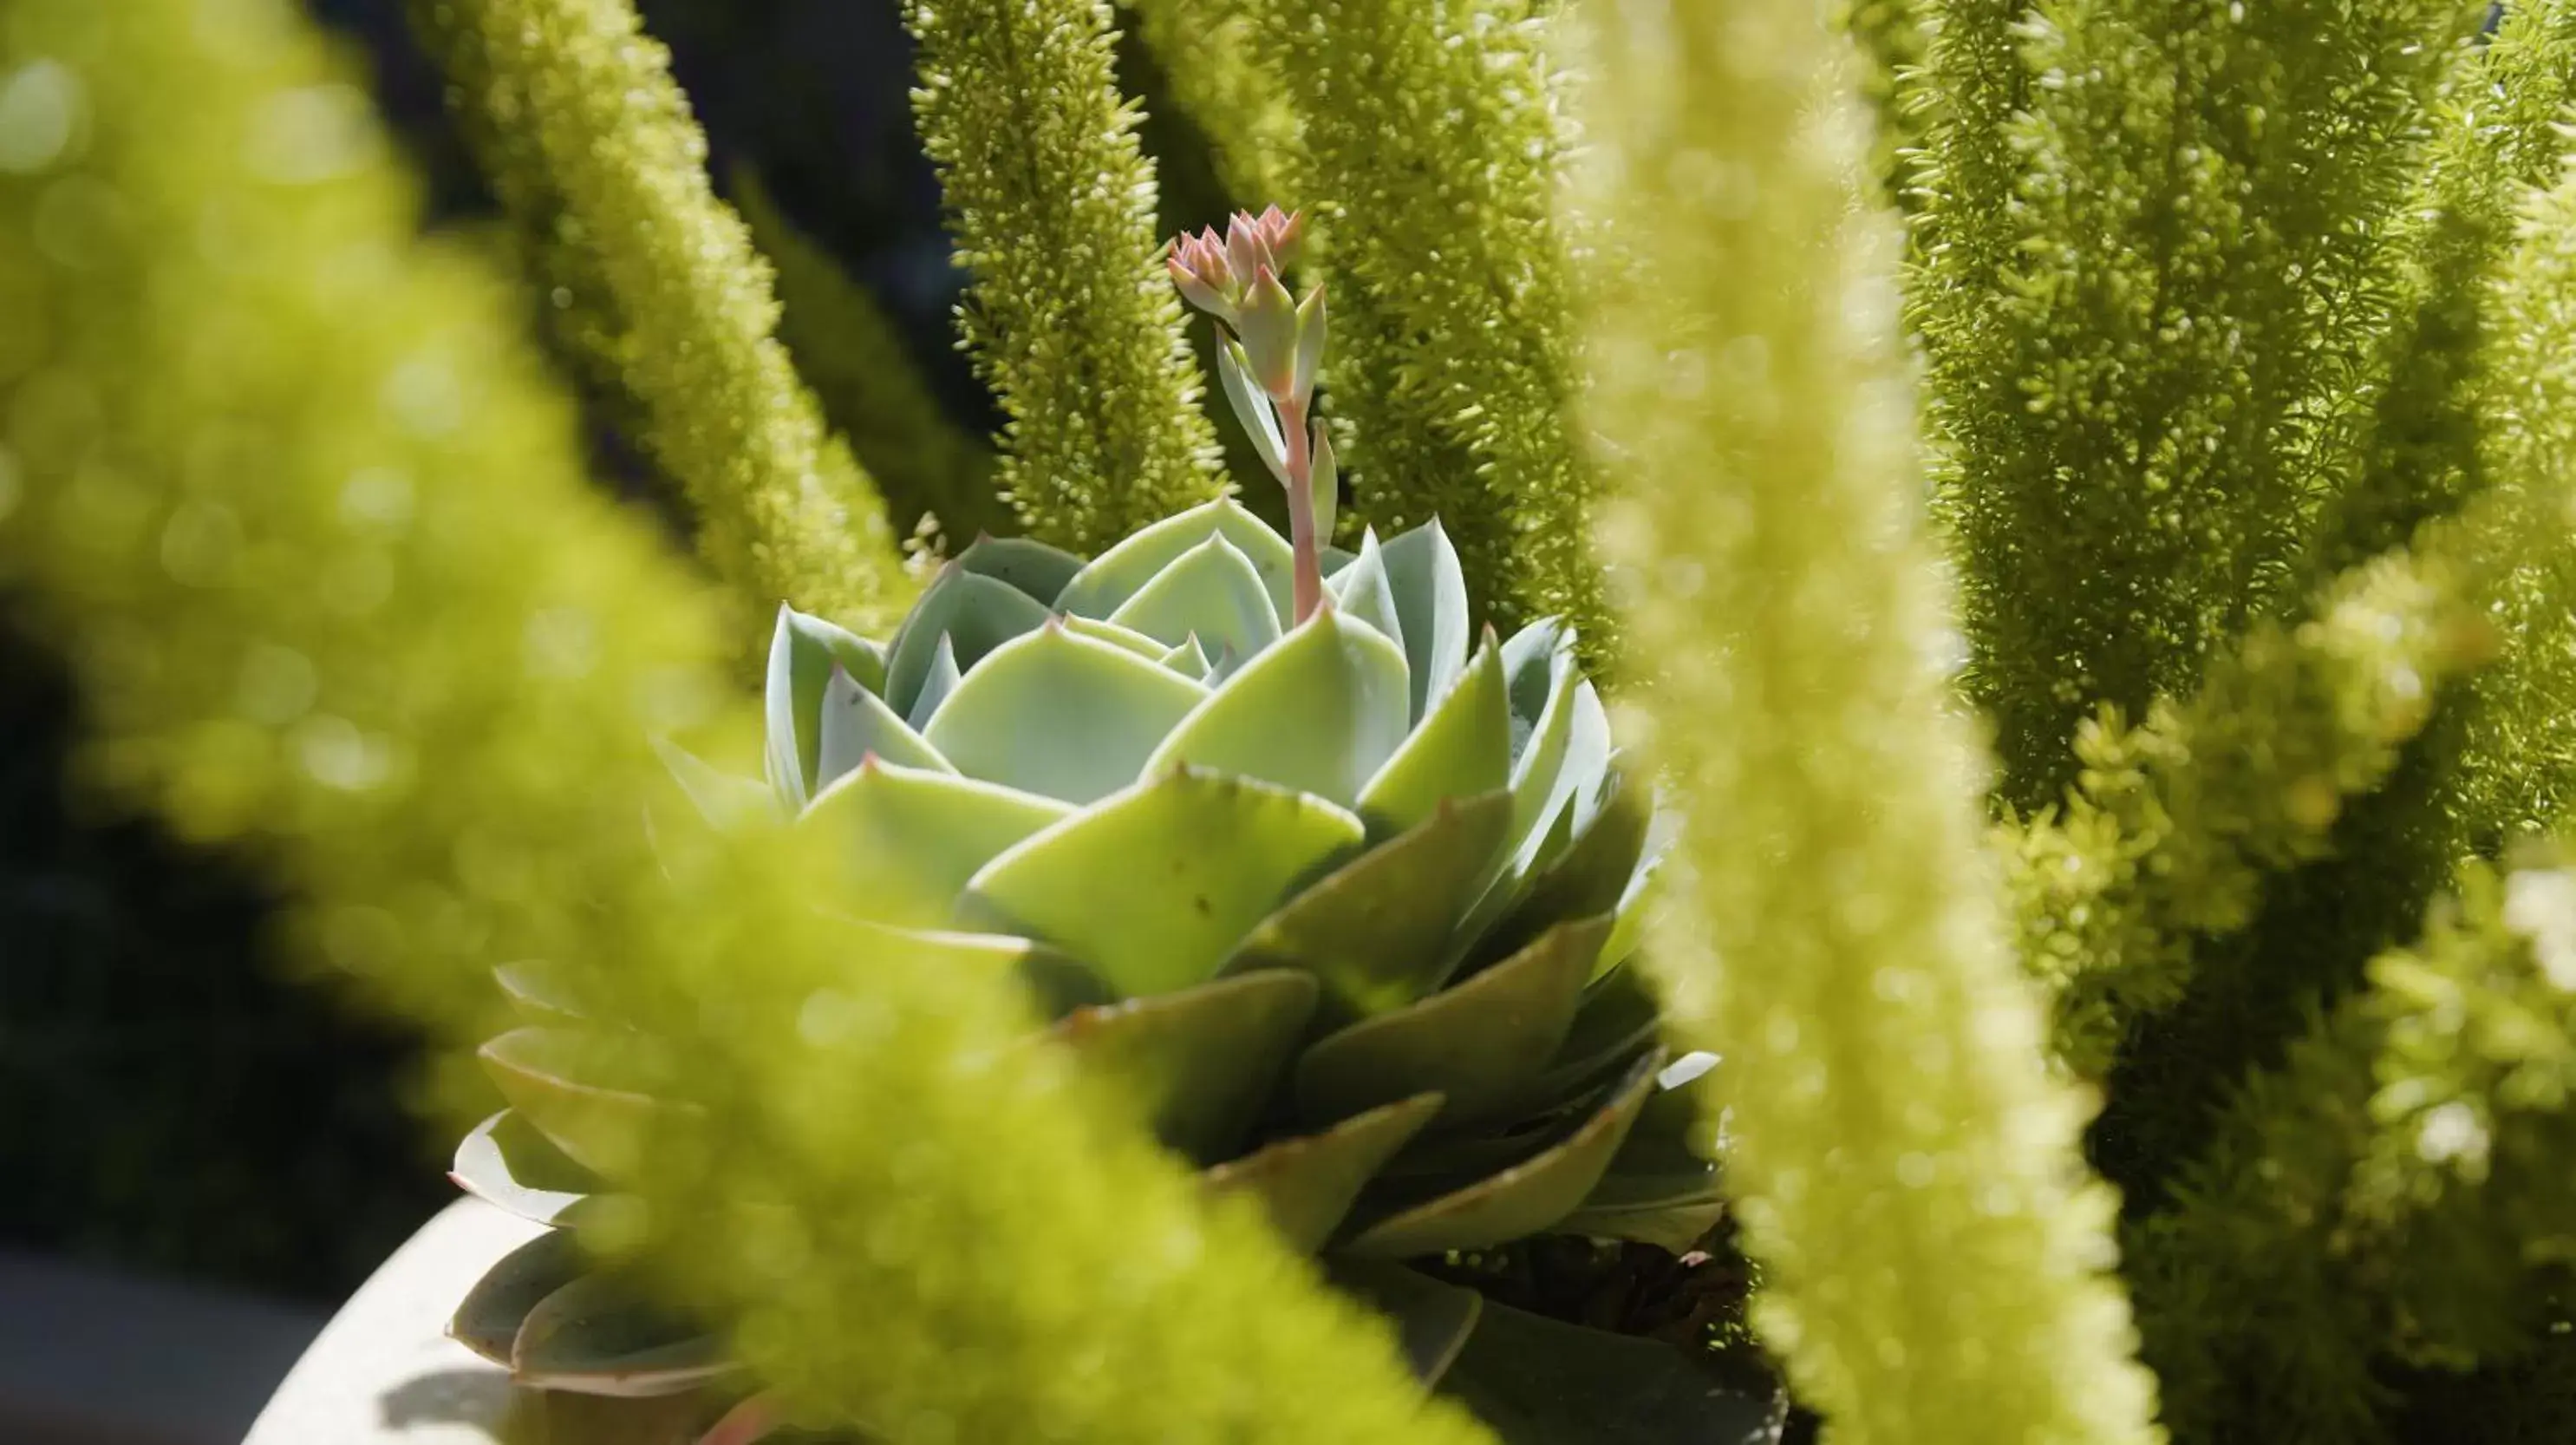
{"points": [[2171, 828], [2130, 451], [2249, 1319], [1903, 1164], [1207, 55], [2517, 769], [2325, 1226], [849, 350], [1890, 37], [2394, 1191], [1069, 314], [586, 134], [1431, 151], [2497, 136], [309, 523], [1974, 84], [2473, 1115]]}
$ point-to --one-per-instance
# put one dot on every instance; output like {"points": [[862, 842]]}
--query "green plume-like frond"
{"points": [[2334, 1218], [1205, 48], [1069, 314], [2248, 1319], [2518, 765], [1974, 83], [2473, 1114], [2394, 1191], [1890, 38], [849, 349], [1903, 1163], [2496, 137], [589, 140], [1431, 150], [2171, 828], [310, 525], [2136, 432]]}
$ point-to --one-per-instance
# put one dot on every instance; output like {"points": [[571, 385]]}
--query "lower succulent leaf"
{"points": [[1345, 904], [1539, 1381]]}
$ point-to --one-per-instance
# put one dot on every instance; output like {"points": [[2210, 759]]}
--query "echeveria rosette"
{"points": [[1350, 902], [1343, 889]]}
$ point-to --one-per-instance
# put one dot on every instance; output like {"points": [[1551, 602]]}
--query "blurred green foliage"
{"points": [[308, 519], [277, 1146]]}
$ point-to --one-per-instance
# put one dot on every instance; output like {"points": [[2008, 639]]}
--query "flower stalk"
{"points": [[1272, 350]]}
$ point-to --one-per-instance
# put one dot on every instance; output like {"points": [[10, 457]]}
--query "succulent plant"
{"points": [[1341, 886]]}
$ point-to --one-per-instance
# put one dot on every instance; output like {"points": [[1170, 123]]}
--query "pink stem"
{"points": [[744, 1424], [1301, 509]]}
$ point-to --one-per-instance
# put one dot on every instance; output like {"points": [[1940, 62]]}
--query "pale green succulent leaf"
{"points": [[936, 685], [1547, 768], [1061, 715], [537, 994], [1540, 737], [1595, 869], [600, 1335], [1211, 591], [1156, 886], [1320, 711], [1431, 603], [1199, 1061], [1479, 1044], [803, 652], [1251, 408], [1057, 983], [487, 1321], [1375, 932], [1461, 749], [1334, 559], [1659, 1148], [1578, 787], [1115, 634], [1616, 1021], [1189, 659], [1675, 1226], [554, 1079], [1121, 572], [1639, 902], [1531, 663], [974, 612], [857, 723], [508, 1164], [1433, 1318], [1538, 1381], [1323, 479], [1308, 1182], [1524, 1199], [1364, 594], [1658, 1191], [911, 838], [1032, 566], [724, 800]]}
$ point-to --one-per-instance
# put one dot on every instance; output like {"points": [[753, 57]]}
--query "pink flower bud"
{"points": [[1206, 279], [1247, 250]]}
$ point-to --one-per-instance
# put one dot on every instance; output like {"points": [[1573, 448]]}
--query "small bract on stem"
{"points": [[1270, 353]]}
